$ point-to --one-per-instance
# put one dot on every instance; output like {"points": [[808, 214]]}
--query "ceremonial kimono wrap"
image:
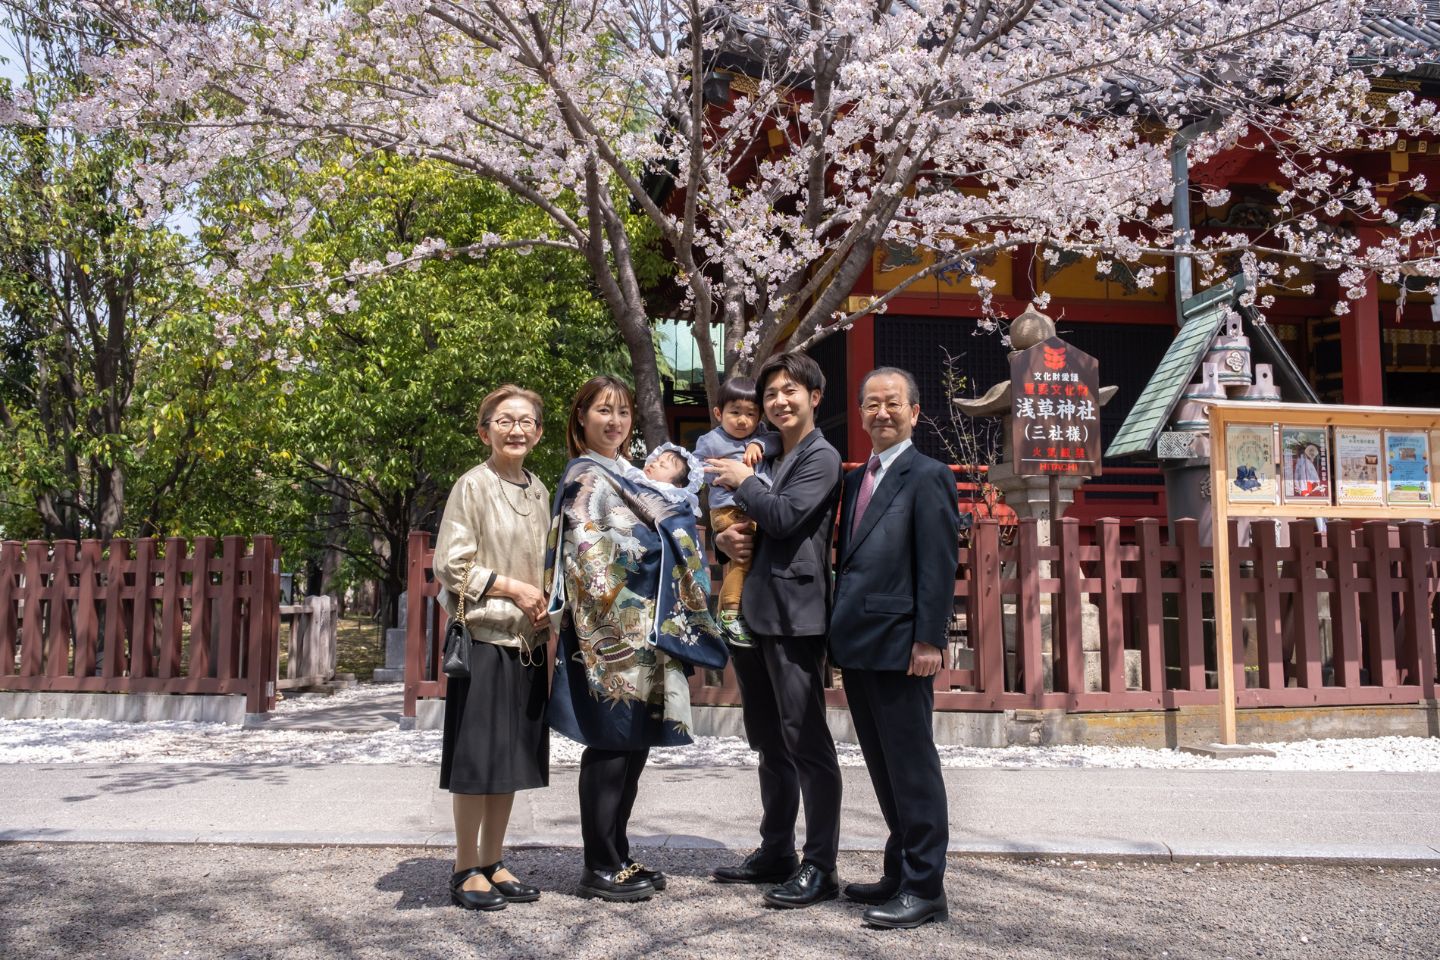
{"points": [[629, 595]]}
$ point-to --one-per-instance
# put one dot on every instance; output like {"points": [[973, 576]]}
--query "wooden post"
{"points": [[1220, 545], [201, 655], [985, 616], [32, 651], [1067, 644], [1191, 606], [1306, 620], [1112, 601], [87, 623], [1054, 508], [1419, 647], [1152, 651], [414, 620], [9, 573], [1027, 609]]}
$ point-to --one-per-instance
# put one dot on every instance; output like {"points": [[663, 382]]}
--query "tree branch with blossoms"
{"points": [[773, 148]]}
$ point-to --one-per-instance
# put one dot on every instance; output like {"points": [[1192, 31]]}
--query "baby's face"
{"points": [[666, 468]]}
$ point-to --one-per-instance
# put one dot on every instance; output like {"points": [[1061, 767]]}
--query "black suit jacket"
{"points": [[896, 582], [787, 592]]}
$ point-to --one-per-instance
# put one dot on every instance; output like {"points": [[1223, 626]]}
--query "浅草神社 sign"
{"points": [[1055, 421]]}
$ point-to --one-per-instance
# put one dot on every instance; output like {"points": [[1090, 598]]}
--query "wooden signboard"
{"points": [[1055, 427]]}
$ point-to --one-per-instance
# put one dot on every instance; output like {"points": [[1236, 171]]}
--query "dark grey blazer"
{"points": [[787, 592], [896, 582]]}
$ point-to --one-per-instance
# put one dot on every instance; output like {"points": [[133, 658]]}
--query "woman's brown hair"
{"points": [[585, 397], [508, 391]]}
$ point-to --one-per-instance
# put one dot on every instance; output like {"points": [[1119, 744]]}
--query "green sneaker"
{"points": [[735, 633]]}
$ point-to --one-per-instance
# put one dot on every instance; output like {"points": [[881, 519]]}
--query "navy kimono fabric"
{"points": [[630, 600]]}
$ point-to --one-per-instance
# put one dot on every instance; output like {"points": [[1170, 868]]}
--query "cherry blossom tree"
{"points": [[772, 147]]}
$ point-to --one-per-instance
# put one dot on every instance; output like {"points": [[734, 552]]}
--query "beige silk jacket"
{"points": [[503, 528]]}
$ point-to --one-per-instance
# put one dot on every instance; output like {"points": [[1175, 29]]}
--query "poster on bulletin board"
{"points": [[1305, 464], [1250, 455], [1358, 452], [1407, 466]]}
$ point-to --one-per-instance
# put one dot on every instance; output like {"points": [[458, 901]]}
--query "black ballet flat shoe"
{"points": [[905, 911], [512, 890], [656, 878], [473, 899], [616, 886]]}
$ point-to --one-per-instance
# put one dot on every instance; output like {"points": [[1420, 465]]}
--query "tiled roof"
{"points": [[750, 40]]}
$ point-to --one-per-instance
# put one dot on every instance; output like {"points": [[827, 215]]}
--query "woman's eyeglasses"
{"points": [[505, 424]]}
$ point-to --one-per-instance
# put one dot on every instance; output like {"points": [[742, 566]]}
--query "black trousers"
{"points": [[892, 714], [609, 780], [783, 702]]}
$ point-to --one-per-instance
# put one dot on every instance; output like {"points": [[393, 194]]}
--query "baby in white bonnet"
{"points": [[674, 473]]}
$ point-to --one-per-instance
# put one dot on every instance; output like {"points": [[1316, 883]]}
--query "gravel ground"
{"points": [[248, 902]]}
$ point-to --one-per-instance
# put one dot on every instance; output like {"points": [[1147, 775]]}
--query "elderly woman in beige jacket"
{"points": [[490, 554]]}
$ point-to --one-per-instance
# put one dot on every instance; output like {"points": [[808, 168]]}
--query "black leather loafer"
{"points": [[873, 893], [512, 890], [761, 866], [617, 886], [642, 872], [473, 899], [809, 886], [905, 910]]}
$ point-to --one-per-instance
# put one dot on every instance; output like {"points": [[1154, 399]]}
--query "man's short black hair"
{"points": [[797, 365], [736, 388]]}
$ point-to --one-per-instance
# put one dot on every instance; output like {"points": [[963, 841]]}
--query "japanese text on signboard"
{"points": [[1056, 411]]}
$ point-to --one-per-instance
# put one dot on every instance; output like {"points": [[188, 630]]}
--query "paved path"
{"points": [[378, 710], [1159, 814]]}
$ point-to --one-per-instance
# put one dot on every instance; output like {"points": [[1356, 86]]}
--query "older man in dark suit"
{"points": [[894, 593], [786, 606]]}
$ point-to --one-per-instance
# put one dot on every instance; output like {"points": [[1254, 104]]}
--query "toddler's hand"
{"points": [[754, 453]]}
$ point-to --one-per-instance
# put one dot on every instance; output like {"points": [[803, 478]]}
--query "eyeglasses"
{"points": [[891, 407], [504, 424]]}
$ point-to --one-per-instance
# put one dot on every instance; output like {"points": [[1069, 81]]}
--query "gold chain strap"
{"points": [[464, 583]]}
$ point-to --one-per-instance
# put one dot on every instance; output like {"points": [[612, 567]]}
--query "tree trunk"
{"points": [[649, 393]]}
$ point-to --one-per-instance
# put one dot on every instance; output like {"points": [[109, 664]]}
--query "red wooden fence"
{"points": [[1149, 597], [138, 617]]}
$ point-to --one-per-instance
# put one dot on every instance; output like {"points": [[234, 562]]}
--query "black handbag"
{"points": [[456, 661]]}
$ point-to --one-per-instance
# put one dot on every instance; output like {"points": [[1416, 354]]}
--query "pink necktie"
{"points": [[867, 487]]}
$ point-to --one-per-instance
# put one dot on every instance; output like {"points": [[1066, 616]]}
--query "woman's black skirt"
{"points": [[496, 738]]}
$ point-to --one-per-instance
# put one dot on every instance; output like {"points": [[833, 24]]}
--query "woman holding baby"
{"points": [[629, 599]]}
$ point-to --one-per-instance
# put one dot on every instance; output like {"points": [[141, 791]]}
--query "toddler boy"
{"points": [[741, 435]]}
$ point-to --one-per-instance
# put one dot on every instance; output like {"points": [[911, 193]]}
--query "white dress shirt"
{"points": [[887, 458]]}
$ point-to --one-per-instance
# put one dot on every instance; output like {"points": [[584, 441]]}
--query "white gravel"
{"points": [[99, 741]]}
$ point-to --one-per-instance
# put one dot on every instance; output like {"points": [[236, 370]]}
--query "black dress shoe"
{"points": [[617, 886], [473, 899], [873, 893], [656, 878], [905, 910], [809, 886], [512, 890], [761, 866]]}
